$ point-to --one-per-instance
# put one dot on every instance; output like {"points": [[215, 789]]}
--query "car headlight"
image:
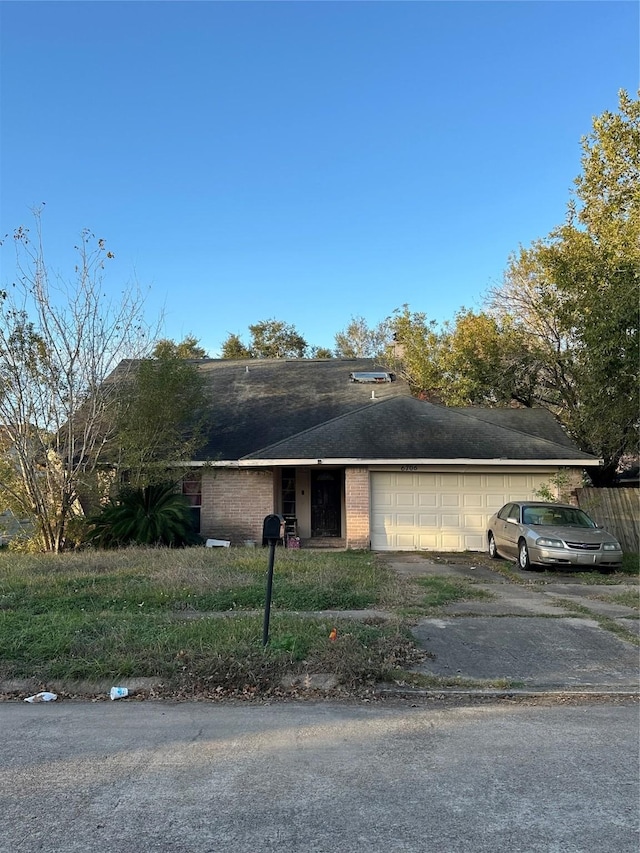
{"points": [[611, 546], [550, 543]]}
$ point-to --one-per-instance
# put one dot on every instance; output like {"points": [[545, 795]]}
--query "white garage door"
{"points": [[441, 512]]}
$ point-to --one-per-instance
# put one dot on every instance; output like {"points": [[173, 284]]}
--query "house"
{"points": [[349, 457]]}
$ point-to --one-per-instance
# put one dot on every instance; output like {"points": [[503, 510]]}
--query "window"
{"points": [[288, 497], [192, 490], [505, 511]]}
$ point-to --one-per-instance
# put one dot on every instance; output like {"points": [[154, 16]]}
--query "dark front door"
{"points": [[326, 492]]}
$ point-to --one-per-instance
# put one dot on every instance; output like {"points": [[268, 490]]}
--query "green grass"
{"points": [[630, 564], [441, 590], [198, 580], [188, 617]]}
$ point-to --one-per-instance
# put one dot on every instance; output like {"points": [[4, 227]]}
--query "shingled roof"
{"points": [[260, 402], [403, 428]]}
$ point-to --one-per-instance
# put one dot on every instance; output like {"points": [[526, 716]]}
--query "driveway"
{"points": [[537, 632]]}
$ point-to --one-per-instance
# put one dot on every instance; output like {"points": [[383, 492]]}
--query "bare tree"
{"points": [[59, 341]]}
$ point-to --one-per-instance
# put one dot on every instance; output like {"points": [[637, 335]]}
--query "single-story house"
{"points": [[342, 450]]}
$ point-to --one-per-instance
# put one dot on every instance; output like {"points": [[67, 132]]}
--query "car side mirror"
{"points": [[512, 520]]}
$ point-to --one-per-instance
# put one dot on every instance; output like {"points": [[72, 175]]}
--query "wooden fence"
{"points": [[617, 510]]}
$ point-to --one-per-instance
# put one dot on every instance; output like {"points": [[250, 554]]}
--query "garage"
{"points": [[441, 511]]}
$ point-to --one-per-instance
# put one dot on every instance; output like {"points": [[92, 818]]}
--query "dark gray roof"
{"points": [[406, 428], [258, 402], [536, 422]]}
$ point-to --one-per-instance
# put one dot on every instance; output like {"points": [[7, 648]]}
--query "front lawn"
{"points": [[193, 618]]}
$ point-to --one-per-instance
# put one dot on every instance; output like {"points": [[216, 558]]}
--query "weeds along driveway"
{"points": [[536, 631]]}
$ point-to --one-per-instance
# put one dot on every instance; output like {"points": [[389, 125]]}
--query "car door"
{"points": [[512, 530], [500, 532]]}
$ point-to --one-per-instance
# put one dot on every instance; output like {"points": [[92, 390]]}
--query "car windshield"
{"points": [[559, 516]]}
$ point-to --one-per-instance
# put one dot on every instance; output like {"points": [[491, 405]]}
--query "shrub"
{"points": [[152, 515]]}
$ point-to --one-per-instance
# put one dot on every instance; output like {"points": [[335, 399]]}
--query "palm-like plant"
{"points": [[153, 515]]}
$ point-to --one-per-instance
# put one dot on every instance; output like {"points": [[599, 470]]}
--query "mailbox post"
{"points": [[272, 533]]}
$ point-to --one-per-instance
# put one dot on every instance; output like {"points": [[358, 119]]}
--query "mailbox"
{"points": [[273, 529]]}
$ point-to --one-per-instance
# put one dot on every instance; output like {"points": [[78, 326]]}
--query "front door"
{"points": [[326, 494]]}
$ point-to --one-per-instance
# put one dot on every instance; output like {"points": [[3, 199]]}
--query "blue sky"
{"points": [[304, 161]]}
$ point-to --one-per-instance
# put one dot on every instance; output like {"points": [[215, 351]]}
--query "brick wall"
{"points": [[234, 503], [356, 488]]}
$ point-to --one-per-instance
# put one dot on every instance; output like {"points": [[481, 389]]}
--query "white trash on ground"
{"points": [[119, 692], [43, 696], [217, 543]]}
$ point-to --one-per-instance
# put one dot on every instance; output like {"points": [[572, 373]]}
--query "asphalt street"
{"points": [[323, 777]]}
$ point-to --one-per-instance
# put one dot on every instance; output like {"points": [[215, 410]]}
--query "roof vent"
{"points": [[372, 376]]}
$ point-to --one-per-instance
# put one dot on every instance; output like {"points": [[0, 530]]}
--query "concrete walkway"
{"points": [[545, 632]]}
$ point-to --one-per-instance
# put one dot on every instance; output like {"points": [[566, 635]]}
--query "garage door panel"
{"points": [[472, 500], [517, 481], [426, 480], [494, 502], [380, 522], [406, 499], [450, 510], [449, 481], [427, 542], [404, 481], [451, 542], [429, 500], [384, 500], [473, 481]]}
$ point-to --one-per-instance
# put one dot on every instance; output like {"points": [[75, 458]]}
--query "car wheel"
{"points": [[523, 556], [493, 551]]}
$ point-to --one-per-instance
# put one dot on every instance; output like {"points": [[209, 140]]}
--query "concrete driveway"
{"points": [[541, 632]]}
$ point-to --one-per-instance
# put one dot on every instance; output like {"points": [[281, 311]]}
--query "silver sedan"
{"points": [[551, 534]]}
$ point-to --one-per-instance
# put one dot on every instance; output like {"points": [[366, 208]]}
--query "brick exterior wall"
{"points": [[356, 490], [234, 503], [573, 480]]}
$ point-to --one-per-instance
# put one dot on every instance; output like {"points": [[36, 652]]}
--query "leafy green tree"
{"points": [[486, 361], [321, 352], [162, 418], [575, 296], [153, 515], [359, 340], [276, 339], [233, 348], [415, 351], [269, 339], [188, 348]]}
